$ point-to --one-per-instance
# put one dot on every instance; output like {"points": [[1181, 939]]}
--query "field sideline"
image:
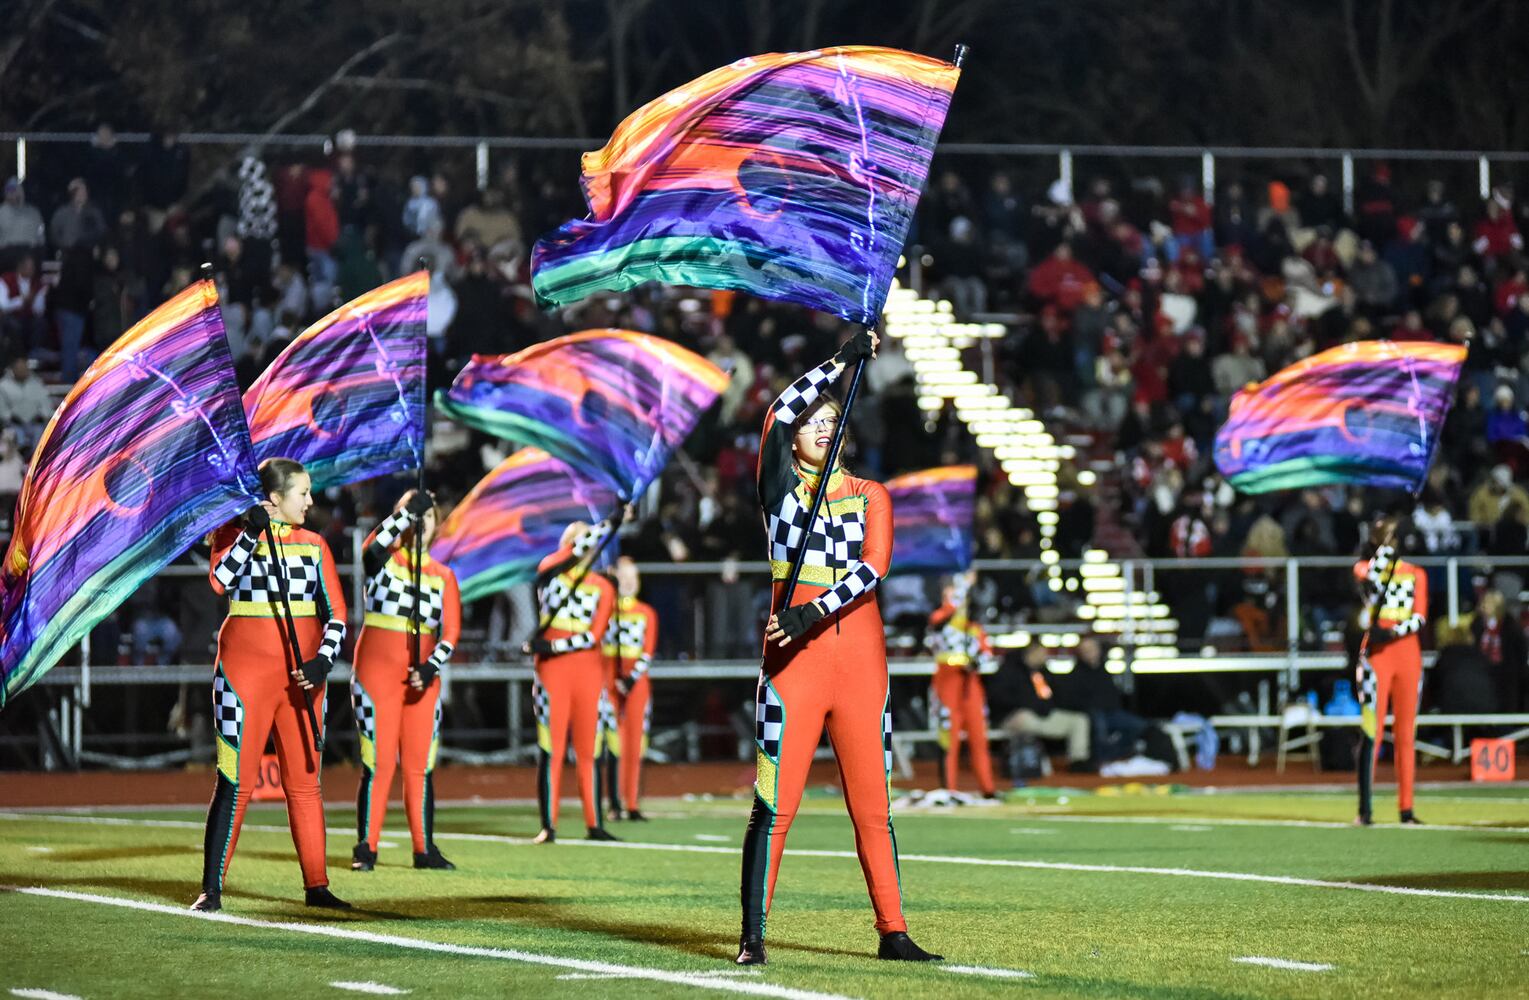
{"points": [[1265, 893]]}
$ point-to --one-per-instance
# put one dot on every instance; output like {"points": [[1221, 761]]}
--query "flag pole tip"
{"points": [[960, 56]]}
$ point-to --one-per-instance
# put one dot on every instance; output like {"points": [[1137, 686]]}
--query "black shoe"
{"points": [[897, 946], [324, 899], [208, 902], [1363, 820], [600, 833], [362, 858], [636, 816], [1407, 819], [751, 951], [547, 836], [433, 858]]}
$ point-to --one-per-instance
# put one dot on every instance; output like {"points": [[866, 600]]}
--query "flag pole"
{"points": [[290, 630], [1370, 729], [838, 440], [417, 540]]}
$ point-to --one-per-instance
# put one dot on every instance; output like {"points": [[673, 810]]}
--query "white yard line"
{"points": [[1284, 963], [715, 838], [699, 980], [43, 995], [1313, 824], [978, 970], [945, 859], [1190, 828], [379, 989]]}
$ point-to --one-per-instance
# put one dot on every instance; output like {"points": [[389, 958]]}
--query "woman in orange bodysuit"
{"points": [[824, 657], [630, 640], [961, 652], [1395, 656], [398, 706], [261, 682], [575, 605]]}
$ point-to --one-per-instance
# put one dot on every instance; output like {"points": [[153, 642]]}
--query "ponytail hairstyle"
{"points": [[276, 474]]}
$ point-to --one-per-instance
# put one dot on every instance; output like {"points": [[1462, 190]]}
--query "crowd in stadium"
{"points": [[1135, 310]]}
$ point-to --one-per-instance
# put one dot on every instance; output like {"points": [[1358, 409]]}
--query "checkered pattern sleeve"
{"points": [[382, 538], [569, 644], [649, 642], [862, 575], [334, 634], [592, 537], [229, 563], [441, 654], [802, 393], [1414, 623]]}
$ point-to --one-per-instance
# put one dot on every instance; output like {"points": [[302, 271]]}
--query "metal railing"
{"points": [[1309, 643], [1065, 155]]}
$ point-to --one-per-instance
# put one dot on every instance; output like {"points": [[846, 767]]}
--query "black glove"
{"points": [[257, 518], [797, 619], [855, 348], [540, 646], [426, 672], [316, 670], [1380, 638], [420, 503]]}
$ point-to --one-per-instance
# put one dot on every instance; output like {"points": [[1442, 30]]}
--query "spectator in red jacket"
{"points": [[1059, 280], [1497, 235], [322, 230]]}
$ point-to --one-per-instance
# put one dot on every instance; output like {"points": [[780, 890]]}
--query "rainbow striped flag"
{"points": [[612, 404], [513, 519], [932, 519], [145, 455], [1364, 414], [347, 396], [790, 176]]}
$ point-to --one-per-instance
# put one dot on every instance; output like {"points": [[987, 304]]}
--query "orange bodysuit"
{"points": [[958, 699], [1395, 676], [835, 675], [629, 644], [253, 689], [570, 681], [397, 723]]}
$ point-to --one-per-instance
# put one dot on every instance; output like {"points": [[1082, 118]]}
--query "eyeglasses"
{"points": [[820, 424]]}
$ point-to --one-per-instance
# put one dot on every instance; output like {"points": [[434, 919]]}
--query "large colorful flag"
{"points": [[1363, 414], [932, 519], [347, 396], [790, 176], [514, 518], [146, 454], [612, 404]]}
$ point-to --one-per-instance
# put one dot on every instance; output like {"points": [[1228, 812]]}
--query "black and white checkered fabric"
{"points": [[366, 712], [576, 614], [834, 541], [334, 635], [1367, 692], [886, 736], [440, 654], [391, 592], [629, 631], [769, 720], [227, 709], [1398, 603], [608, 721], [592, 538], [802, 393], [541, 704], [258, 583], [231, 566]]}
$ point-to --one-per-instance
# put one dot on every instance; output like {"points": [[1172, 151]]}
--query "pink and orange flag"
{"points": [[146, 454]]}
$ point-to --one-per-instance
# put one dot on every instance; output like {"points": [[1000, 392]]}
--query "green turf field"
{"points": [[1051, 895]]}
